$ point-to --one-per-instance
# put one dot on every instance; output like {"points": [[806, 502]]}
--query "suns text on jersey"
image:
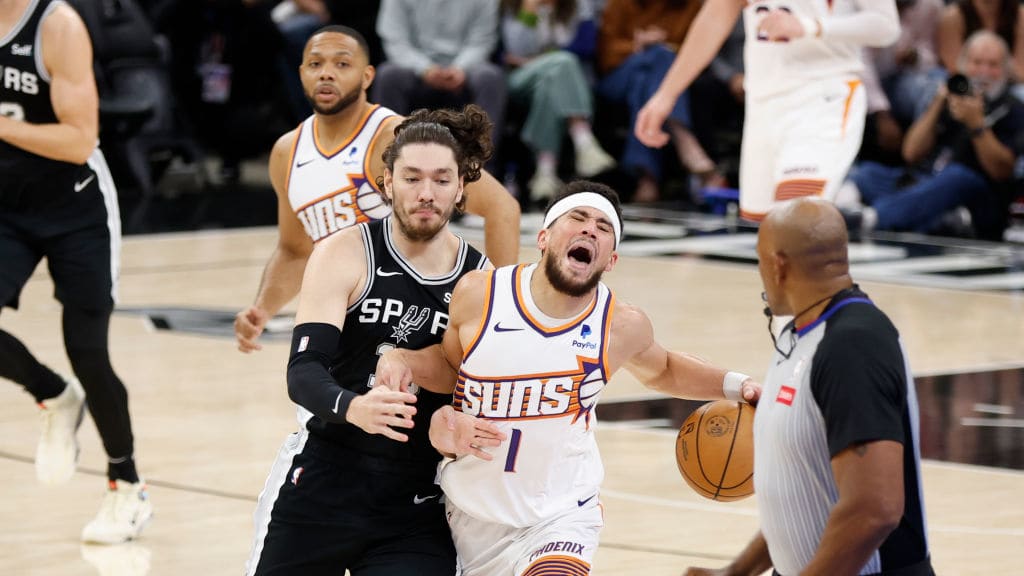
{"points": [[328, 215]]}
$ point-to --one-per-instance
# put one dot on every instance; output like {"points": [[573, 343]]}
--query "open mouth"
{"points": [[581, 254]]}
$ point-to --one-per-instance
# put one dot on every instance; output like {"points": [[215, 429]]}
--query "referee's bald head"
{"points": [[810, 233]]}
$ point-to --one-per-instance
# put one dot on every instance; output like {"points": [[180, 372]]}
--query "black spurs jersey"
{"points": [[29, 179], [398, 308]]}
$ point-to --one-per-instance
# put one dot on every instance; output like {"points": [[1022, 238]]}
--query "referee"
{"points": [[837, 460]]}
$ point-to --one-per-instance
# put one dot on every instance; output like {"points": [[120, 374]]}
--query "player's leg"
{"points": [[300, 514], [62, 402], [564, 545], [410, 532], [757, 160], [823, 128]]}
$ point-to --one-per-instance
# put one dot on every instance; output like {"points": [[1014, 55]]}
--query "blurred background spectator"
{"points": [[439, 55], [637, 43], [543, 44], [960, 154]]}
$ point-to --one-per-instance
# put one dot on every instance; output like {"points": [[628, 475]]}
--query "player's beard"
{"points": [[344, 101], [566, 285], [425, 231]]}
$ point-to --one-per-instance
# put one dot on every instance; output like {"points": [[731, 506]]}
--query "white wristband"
{"points": [[732, 386]]}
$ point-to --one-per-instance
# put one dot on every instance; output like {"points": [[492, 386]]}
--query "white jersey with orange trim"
{"points": [[330, 189], [778, 67], [540, 384]]}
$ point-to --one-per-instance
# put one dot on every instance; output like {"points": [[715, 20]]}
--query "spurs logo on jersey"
{"points": [[413, 318], [329, 189], [540, 385]]}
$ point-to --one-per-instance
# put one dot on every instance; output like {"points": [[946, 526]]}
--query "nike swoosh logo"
{"points": [[79, 186], [336, 402], [580, 503], [383, 273], [498, 328], [417, 500], [303, 163]]}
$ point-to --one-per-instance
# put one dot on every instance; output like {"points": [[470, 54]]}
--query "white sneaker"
{"points": [[592, 160], [57, 453], [123, 514], [126, 560], [543, 186]]}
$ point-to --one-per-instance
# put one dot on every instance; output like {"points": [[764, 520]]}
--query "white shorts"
{"points": [[562, 545], [800, 143]]}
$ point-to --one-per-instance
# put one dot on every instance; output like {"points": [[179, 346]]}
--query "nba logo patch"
{"points": [[786, 395], [303, 344]]}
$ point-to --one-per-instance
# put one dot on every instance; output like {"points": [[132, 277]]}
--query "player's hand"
{"points": [[455, 433], [249, 324], [650, 121], [381, 410], [751, 391], [780, 26], [392, 371]]}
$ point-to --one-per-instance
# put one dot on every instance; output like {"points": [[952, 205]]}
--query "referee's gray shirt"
{"points": [[846, 381]]}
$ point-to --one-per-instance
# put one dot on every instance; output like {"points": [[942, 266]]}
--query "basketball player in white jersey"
{"points": [[805, 105], [58, 201], [327, 173], [533, 347]]}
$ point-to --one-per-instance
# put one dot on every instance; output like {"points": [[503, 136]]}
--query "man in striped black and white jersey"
{"points": [[805, 105], [836, 444]]}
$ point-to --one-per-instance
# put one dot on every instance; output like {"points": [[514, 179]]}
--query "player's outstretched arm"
{"points": [[674, 373], [753, 560], [454, 434], [427, 368], [488, 198], [282, 276], [710, 28]]}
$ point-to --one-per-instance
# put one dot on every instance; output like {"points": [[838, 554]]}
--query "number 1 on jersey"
{"points": [[513, 450]]}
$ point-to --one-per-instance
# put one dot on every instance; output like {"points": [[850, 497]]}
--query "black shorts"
{"points": [[80, 238], [337, 510]]}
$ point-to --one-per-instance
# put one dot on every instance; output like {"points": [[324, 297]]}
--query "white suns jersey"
{"points": [[778, 67], [329, 189], [540, 385]]}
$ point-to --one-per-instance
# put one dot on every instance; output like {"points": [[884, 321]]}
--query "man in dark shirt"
{"points": [[968, 144]]}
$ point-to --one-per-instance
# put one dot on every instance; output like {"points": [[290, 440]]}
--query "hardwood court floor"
{"points": [[209, 420]]}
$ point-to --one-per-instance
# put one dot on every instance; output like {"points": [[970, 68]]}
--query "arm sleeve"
{"points": [[859, 381], [395, 30], [310, 383], [876, 24]]}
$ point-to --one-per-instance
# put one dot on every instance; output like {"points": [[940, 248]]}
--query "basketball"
{"points": [[715, 450]]}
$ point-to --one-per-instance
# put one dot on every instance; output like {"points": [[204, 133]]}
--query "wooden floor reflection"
{"points": [[208, 420]]}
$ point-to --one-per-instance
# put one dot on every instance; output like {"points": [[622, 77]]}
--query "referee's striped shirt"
{"points": [[846, 381]]}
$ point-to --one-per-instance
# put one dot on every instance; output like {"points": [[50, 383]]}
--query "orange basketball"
{"points": [[715, 450]]}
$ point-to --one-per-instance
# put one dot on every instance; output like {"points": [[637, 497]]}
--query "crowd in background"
{"points": [[563, 81]]}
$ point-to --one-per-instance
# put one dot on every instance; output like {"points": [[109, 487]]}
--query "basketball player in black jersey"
{"points": [[57, 200], [355, 488]]}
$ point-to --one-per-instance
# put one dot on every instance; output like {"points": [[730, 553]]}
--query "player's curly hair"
{"points": [[467, 133]]}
